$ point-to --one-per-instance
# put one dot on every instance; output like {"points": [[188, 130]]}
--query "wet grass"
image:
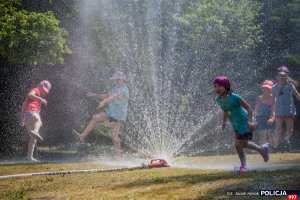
{"points": [[158, 183], [253, 160]]}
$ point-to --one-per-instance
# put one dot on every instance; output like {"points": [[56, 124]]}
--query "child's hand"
{"points": [[44, 101], [251, 126], [270, 122], [101, 105], [223, 127]]}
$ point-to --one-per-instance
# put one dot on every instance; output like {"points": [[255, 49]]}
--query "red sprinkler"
{"points": [[158, 163]]}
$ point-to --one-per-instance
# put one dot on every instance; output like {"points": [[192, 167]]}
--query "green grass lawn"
{"points": [[158, 183]]}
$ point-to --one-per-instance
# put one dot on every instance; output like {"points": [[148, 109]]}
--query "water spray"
{"points": [[156, 163]]}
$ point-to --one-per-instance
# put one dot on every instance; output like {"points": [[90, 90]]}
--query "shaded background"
{"points": [[169, 71]]}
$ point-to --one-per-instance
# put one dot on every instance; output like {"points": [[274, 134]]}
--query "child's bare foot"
{"points": [[35, 135], [32, 159], [77, 136]]}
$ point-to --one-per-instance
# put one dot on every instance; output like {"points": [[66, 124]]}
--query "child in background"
{"points": [[264, 113], [239, 113], [30, 114], [289, 79], [285, 111], [116, 111]]}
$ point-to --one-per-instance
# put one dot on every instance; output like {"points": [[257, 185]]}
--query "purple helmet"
{"points": [[283, 69], [118, 75], [223, 81]]}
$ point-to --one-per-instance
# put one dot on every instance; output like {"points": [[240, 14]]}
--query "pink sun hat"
{"points": [[267, 84], [46, 85]]}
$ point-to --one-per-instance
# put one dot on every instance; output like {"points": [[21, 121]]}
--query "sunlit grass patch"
{"points": [[157, 183]]}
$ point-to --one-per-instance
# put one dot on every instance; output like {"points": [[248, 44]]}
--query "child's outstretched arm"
{"points": [[272, 117], [248, 108], [99, 96], [244, 104], [296, 93], [32, 95], [108, 99]]}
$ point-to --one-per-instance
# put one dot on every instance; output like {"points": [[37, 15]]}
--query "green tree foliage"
{"points": [[29, 37], [286, 19], [281, 28], [221, 26]]}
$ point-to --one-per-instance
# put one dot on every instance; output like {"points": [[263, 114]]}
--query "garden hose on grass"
{"points": [[153, 164]]}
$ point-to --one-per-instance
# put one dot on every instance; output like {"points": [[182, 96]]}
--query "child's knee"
{"points": [[237, 144], [241, 144], [96, 118]]}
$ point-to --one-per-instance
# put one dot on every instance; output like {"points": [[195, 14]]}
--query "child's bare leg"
{"points": [[92, 124], [289, 129], [240, 151], [252, 145], [31, 146], [263, 150], [271, 138], [37, 124], [115, 129], [262, 137], [278, 129], [31, 125]]}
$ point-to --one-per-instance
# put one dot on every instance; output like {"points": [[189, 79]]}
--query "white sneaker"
{"points": [[265, 153], [35, 135]]}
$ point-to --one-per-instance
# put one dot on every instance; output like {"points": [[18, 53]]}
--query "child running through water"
{"points": [[30, 115], [116, 111], [285, 110], [264, 113], [239, 113]]}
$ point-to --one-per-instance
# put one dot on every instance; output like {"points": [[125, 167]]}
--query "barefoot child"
{"points": [[115, 112], [264, 113], [30, 117], [239, 113]]}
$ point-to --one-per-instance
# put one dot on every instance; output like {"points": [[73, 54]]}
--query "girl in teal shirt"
{"points": [[239, 113]]}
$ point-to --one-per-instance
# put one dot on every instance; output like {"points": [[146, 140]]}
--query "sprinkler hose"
{"points": [[154, 164], [69, 172]]}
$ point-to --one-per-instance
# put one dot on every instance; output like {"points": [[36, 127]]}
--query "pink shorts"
{"points": [[285, 117]]}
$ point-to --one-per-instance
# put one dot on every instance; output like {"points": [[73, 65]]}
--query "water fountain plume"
{"points": [[169, 108]]}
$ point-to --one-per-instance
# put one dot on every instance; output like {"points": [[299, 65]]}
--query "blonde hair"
{"points": [[290, 80]]}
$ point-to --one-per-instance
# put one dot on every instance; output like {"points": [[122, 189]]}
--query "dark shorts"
{"points": [[245, 136], [110, 119]]}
